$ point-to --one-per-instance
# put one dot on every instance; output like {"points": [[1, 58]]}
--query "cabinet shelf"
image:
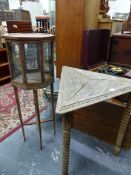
{"points": [[4, 64], [4, 78], [2, 49]]}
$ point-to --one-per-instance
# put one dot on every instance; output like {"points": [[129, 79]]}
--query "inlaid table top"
{"points": [[81, 88]]}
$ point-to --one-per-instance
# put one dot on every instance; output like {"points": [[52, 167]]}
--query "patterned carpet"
{"points": [[9, 120]]}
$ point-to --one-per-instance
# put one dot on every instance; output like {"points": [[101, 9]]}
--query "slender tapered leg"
{"points": [[123, 127], [38, 115], [66, 133], [52, 106], [19, 111]]}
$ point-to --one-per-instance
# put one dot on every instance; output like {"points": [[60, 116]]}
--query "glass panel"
{"points": [[14, 59], [31, 56], [47, 57]]}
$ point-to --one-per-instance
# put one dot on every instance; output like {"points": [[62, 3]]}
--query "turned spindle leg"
{"points": [[66, 133], [123, 127], [19, 111]]}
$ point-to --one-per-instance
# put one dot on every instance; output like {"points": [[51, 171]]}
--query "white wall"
{"points": [[14, 4], [45, 4], [33, 7], [122, 6]]}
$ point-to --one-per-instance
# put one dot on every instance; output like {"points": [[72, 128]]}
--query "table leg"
{"points": [[36, 103], [66, 133], [19, 111], [123, 127], [52, 106]]}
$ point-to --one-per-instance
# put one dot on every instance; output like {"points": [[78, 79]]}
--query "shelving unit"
{"points": [[4, 66]]}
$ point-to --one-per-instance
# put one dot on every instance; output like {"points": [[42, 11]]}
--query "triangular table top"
{"points": [[80, 88]]}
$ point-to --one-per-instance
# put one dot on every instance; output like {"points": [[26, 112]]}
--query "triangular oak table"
{"points": [[81, 88]]}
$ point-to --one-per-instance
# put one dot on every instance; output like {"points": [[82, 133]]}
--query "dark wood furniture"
{"points": [[120, 49], [43, 23], [95, 45], [28, 69], [19, 26], [102, 121], [4, 66], [91, 120], [99, 48]]}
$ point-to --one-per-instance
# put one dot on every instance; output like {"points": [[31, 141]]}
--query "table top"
{"points": [[80, 88], [124, 35], [28, 36], [43, 17]]}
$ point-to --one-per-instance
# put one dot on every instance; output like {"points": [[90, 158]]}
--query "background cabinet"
{"points": [[4, 66], [72, 17], [120, 49]]}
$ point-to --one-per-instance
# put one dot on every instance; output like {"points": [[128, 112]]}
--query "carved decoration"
{"points": [[104, 8]]}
